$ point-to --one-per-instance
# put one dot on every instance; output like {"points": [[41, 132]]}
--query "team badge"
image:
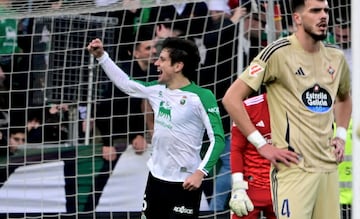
{"points": [[255, 69], [183, 100], [331, 71]]}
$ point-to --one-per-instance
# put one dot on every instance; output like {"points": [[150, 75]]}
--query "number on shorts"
{"points": [[285, 210]]}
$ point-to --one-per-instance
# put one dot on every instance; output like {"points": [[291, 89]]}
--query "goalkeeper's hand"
{"points": [[240, 202]]}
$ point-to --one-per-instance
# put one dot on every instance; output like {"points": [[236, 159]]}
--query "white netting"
{"points": [[40, 8], [53, 88]]}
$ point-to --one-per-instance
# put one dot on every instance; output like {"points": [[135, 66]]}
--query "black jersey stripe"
{"points": [[274, 188], [331, 46], [268, 51]]}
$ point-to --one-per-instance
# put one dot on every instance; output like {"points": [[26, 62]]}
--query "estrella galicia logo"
{"points": [[317, 99]]}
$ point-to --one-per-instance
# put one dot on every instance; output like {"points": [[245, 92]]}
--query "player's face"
{"points": [[166, 70], [314, 18]]}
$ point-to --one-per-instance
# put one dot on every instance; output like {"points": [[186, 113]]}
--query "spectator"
{"points": [[250, 171], [16, 138], [301, 101], [9, 58], [255, 37], [34, 128], [218, 72], [8, 40], [34, 40], [342, 36], [180, 20], [128, 24], [167, 29], [190, 16], [56, 129]]}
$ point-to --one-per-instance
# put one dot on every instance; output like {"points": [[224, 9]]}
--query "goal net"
{"points": [[58, 108]]}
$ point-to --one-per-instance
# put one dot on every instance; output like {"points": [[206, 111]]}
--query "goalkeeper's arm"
{"points": [[240, 202]]}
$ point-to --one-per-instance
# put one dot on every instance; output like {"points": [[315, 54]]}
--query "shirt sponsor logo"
{"points": [[183, 210], [317, 99], [165, 110], [164, 115], [214, 110], [255, 69]]}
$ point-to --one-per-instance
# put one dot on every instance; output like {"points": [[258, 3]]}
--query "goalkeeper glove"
{"points": [[240, 202]]}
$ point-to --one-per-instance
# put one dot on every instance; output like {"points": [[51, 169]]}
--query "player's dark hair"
{"points": [[297, 4], [185, 51]]}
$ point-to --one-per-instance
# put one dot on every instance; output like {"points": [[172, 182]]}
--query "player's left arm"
{"points": [[211, 119], [209, 112], [343, 102], [343, 110]]}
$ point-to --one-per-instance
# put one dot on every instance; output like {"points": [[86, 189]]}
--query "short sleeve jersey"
{"points": [[301, 88]]}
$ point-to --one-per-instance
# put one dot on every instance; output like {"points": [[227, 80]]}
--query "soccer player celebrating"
{"points": [[251, 193], [303, 79], [182, 113]]}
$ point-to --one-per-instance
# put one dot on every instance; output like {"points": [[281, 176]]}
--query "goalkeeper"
{"points": [[251, 193]]}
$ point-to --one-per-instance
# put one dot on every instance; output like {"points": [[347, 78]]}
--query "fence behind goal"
{"points": [[55, 84]]}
